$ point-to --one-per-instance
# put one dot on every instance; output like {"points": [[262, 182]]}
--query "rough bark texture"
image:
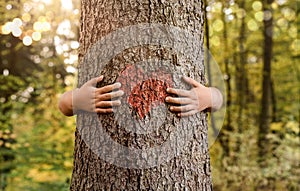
{"points": [[191, 169]]}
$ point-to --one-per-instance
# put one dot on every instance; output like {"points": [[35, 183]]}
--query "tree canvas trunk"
{"points": [[149, 147]]}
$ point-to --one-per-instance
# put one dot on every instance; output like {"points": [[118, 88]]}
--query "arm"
{"points": [[198, 98], [91, 99], [65, 103]]}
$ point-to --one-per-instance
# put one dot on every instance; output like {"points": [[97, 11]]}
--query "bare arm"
{"points": [[65, 103]]}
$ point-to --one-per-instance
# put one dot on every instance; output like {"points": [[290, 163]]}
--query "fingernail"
{"points": [[168, 89], [167, 99], [122, 93]]}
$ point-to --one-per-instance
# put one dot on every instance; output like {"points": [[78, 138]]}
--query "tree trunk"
{"points": [[266, 89], [274, 102], [228, 128], [118, 151], [241, 79], [241, 71]]}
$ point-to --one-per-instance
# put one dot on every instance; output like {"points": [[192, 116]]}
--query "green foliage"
{"points": [[240, 169], [36, 140]]}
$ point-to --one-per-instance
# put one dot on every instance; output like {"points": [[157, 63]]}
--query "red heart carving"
{"points": [[144, 91]]}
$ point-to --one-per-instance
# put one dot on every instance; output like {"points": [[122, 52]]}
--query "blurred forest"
{"points": [[254, 42]]}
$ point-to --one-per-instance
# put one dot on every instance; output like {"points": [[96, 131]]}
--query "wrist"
{"points": [[74, 99], [65, 103], [216, 99], [210, 100]]}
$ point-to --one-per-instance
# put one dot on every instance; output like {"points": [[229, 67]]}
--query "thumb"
{"points": [[93, 82], [191, 81]]}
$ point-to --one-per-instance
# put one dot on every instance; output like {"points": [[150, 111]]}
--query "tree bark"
{"points": [[190, 169]]}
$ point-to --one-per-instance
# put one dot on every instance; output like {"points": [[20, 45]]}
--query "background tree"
{"points": [[264, 124]]}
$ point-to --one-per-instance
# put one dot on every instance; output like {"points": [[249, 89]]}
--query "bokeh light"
{"points": [[288, 13], [282, 23], [27, 7], [293, 32], [6, 28], [42, 25], [257, 6], [241, 13], [274, 5], [281, 2], [267, 15], [16, 32], [218, 25], [252, 25], [259, 16], [64, 28], [5, 72], [8, 6], [295, 46], [26, 17], [17, 22], [27, 40], [67, 4], [215, 40], [74, 44], [36, 36], [71, 69]]}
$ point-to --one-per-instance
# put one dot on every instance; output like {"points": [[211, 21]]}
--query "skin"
{"points": [[189, 102], [91, 99], [101, 100]]}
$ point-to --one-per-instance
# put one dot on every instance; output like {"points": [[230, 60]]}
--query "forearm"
{"points": [[65, 103]]}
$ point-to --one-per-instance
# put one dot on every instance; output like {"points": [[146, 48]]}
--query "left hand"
{"points": [[189, 102]]}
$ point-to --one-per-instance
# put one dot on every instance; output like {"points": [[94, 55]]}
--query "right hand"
{"points": [[100, 100]]}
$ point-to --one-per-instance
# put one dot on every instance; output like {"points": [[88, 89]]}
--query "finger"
{"points": [[105, 104], [108, 88], [191, 81], [183, 108], [178, 100], [109, 96], [186, 114], [179, 92], [94, 81], [100, 78], [104, 110]]}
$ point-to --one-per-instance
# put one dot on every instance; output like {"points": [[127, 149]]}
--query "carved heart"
{"points": [[144, 91]]}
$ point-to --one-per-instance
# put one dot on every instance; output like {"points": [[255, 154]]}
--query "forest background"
{"points": [[38, 48]]}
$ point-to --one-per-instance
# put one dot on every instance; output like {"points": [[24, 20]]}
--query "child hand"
{"points": [[198, 98], [100, 100]]}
